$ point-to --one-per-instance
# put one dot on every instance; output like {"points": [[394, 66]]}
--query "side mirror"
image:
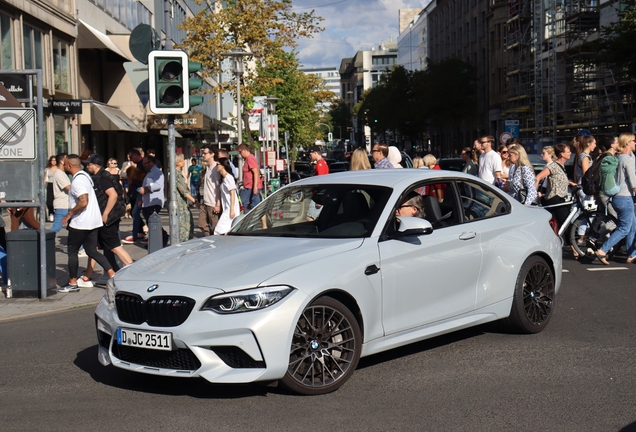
{"points": [[237, 219], [413, 226]]}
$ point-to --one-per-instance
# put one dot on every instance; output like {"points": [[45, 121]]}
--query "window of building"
{"points": [[32, 48], [61, 65], [6, 42]]}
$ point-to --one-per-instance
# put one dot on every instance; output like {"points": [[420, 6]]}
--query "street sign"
{"points": [[138, 74], [66, 106], [143, 40], [270, 160], [505, 137], [512, 126], [17, 134]]}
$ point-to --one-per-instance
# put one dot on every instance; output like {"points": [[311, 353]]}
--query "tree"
{"points": [[340, 117], [261, 27], [617, 41], [298, 94]]}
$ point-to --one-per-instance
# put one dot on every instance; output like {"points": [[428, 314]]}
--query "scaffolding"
{"points": [[553, 85]]}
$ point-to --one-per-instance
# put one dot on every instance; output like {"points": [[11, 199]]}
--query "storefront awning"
{"points": [[90, 38], [106, 118]]}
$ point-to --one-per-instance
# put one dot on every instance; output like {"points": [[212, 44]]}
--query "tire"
{"points": [[598, 228], [325, 348], [533, 299]]}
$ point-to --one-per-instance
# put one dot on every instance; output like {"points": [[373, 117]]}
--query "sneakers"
{"points": [[128, 240], [82, 253], [68, 289], [51, 218], [84, 282]]}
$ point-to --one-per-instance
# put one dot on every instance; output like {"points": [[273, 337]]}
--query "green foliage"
{"points": [[407, 101], [616, 45], [298, 94], [339, 118]]}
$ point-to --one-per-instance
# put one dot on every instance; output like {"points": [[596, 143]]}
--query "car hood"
{"points": [[231, 262]]}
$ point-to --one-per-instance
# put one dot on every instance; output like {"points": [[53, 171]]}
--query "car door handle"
{"points": [[372, 269], [467, 235]]}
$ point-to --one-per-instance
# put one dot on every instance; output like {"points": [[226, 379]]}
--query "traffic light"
{"points": [[169, 82], [194, 83]]}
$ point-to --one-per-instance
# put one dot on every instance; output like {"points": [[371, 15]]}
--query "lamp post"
{"points": [[325, 124], [237, 55]]}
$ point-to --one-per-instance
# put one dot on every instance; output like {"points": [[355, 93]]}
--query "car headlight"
{"points": [[111, 290], [245, 301]]}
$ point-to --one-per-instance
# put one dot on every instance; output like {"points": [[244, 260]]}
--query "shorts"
{"points": [[108, 236]]}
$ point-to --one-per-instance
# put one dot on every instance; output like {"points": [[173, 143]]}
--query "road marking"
{"points": [[608, 269], [565, 271]]}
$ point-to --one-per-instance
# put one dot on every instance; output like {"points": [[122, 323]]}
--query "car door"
{"points": [[430, 277]]}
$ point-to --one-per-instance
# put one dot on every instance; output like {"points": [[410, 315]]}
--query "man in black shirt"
{"points": [[112, 206]]}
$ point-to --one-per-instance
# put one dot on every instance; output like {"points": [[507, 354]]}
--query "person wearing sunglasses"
{"points": [[489, 161], [413, 206], [505, 161]]}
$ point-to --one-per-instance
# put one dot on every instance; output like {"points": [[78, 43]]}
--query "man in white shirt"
{"points": [[83, 219], [489, 161]]}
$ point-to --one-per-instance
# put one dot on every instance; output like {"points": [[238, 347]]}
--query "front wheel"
{"points": [[533, 299], [589, 231], [325, 348]]}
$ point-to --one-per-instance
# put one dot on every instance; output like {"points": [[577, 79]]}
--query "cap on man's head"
{"points": [[94, 159], [583, 132], [315, 148]]}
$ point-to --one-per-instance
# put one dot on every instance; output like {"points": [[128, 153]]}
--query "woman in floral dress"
{"points": [[186, 223]]}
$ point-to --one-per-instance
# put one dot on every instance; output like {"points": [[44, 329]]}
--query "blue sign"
{"points": [[512, 126]]}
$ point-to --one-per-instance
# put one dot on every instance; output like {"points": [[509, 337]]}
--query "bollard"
{"points": [[155, 233]]}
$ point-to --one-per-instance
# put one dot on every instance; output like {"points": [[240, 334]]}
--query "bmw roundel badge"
{"points": [[151, 288]]}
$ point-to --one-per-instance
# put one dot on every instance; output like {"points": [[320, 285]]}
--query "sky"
{"points": [[350, 26]]}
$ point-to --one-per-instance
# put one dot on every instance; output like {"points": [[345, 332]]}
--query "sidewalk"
{"points": [[14, 308]]}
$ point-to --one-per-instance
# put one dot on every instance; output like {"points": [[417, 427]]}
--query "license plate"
{"points": [[144, 339]]}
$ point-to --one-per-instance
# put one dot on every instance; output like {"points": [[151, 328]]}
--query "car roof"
{"points": [[394, 178]]}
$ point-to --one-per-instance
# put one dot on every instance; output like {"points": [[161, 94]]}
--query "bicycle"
{"points": [[586, 227]]}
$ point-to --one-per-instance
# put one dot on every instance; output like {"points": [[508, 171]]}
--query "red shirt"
{"points": [[248, 176], [321, 168]]}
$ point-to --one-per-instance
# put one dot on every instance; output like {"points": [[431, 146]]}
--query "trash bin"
{"points": [[274, 184], [23, 262]]}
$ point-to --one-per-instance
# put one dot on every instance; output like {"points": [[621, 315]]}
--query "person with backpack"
{"points": [[83, 219], [618, 180], [112, 205], [603, 200]]}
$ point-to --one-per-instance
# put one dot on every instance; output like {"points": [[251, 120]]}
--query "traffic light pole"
{"points": [[172, 209]]}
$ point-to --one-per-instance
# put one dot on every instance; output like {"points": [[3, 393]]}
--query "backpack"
{"points": [[608, 168], [591, 181], [119, 209]]}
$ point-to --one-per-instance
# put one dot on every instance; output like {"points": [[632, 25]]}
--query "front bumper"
{"points": [[233, 348]]}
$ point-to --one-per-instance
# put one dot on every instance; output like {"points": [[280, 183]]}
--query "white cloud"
{"points": [[350, 25]]}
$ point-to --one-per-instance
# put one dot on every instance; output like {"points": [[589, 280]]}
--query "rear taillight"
{"points": [[554, 225]]}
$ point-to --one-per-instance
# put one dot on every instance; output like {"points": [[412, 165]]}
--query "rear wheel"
{"points": [[325, 348], [589, 231], [533, 299]]}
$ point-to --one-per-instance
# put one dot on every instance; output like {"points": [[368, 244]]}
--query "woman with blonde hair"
{"points": [[521, 179], [418, 162], [359, 160]]}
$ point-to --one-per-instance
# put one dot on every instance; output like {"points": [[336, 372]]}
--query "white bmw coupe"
{"points": [[330, 269]]}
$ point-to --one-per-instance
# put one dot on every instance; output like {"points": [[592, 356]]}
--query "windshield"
{"points": [[322, 211]]}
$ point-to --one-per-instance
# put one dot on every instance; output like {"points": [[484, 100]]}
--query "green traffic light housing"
{"points": [[194, 83], [169, 80]]}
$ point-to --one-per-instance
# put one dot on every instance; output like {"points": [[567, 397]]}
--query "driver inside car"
{"points": [[413, 206]]}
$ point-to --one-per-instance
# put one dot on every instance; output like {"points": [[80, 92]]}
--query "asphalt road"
{"points": [[577, 375]]}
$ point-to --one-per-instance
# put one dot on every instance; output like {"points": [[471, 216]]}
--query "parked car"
{"points": [[335, 167], [452, 164], [324, 272]]}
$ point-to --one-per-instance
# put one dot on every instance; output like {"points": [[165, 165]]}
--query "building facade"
{"points": [[362, 72]]}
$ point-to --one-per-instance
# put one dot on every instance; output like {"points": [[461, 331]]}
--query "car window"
{"points": [[480, 202], [439, 201], [323, 211]]}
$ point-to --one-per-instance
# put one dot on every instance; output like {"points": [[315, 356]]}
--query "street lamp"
{"points": [[237, 68], [325, 124]]}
